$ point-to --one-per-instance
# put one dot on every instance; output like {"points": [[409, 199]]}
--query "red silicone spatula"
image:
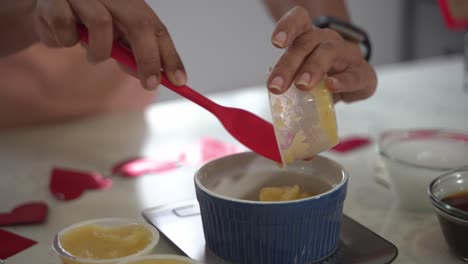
{"points": [[249, 129]]}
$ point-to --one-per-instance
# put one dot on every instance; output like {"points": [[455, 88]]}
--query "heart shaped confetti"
{"points": [[452, 20], [28, 213], [207, 149], [351, 143], [140, 166], [12, 244], [66, 184]]}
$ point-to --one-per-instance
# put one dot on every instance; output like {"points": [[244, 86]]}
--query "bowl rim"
{"points": [[61, 252], [448, 209], [335, 188], [411, 134], [448, 215], [160, 257]]}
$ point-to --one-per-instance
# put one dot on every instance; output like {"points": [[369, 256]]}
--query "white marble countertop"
{"points": [[422, 94]]}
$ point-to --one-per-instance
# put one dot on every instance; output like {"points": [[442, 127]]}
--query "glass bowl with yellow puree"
{"points": [[104, 241], [161, 259]]}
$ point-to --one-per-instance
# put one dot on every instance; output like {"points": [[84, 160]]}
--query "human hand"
{"points": [[312, 54], [132, 22]]}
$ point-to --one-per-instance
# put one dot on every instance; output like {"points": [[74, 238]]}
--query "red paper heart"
{"points": [[452, 21], [68, 184], [207, 149], [28, 213], [12, 244], [351, 143], [140, 166]]}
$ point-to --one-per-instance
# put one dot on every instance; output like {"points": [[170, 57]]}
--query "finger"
{"points": [[336, 97], [127, 70], [59, 17], [316, 65], [44, 31], [170, 59], [355, 96], [292, 24], [146, 51], [99, 23], [137, 23], [347, 81], [355, 83], [289, 63], [353, 78]]}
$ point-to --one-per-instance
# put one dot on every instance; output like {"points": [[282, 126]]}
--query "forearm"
{"points": [[16, 26], [316, 8]]}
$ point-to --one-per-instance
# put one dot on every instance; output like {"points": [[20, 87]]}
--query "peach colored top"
{"points": [[41, 84]]}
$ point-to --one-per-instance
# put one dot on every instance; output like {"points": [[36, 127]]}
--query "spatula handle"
{"points": [[125, 57]]}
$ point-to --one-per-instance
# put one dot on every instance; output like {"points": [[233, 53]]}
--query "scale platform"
{"points": [[181, 224]]}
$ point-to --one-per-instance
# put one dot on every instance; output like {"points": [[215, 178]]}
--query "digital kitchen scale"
{"points": [[181, 224]]}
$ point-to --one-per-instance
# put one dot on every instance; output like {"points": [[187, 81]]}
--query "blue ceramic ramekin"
{"points": [[241, 229]]}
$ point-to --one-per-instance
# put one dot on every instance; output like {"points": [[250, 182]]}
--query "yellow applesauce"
{"points": [[159, 261], [97, 242], [284, 193]]}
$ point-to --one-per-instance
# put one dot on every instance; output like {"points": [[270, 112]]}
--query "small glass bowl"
{"points": [[158, 259], [453, 221], [68, 258], [414, 158]]}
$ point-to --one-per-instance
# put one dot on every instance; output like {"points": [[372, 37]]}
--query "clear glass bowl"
{"points": [[68, 258], [161, 259], [413, 158], [453, 220]]}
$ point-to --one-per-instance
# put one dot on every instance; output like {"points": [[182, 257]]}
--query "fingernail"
{"points": [[332, 83], [180, 77], [280, 38], [277, 84], [152, 83], [304, 80]]}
